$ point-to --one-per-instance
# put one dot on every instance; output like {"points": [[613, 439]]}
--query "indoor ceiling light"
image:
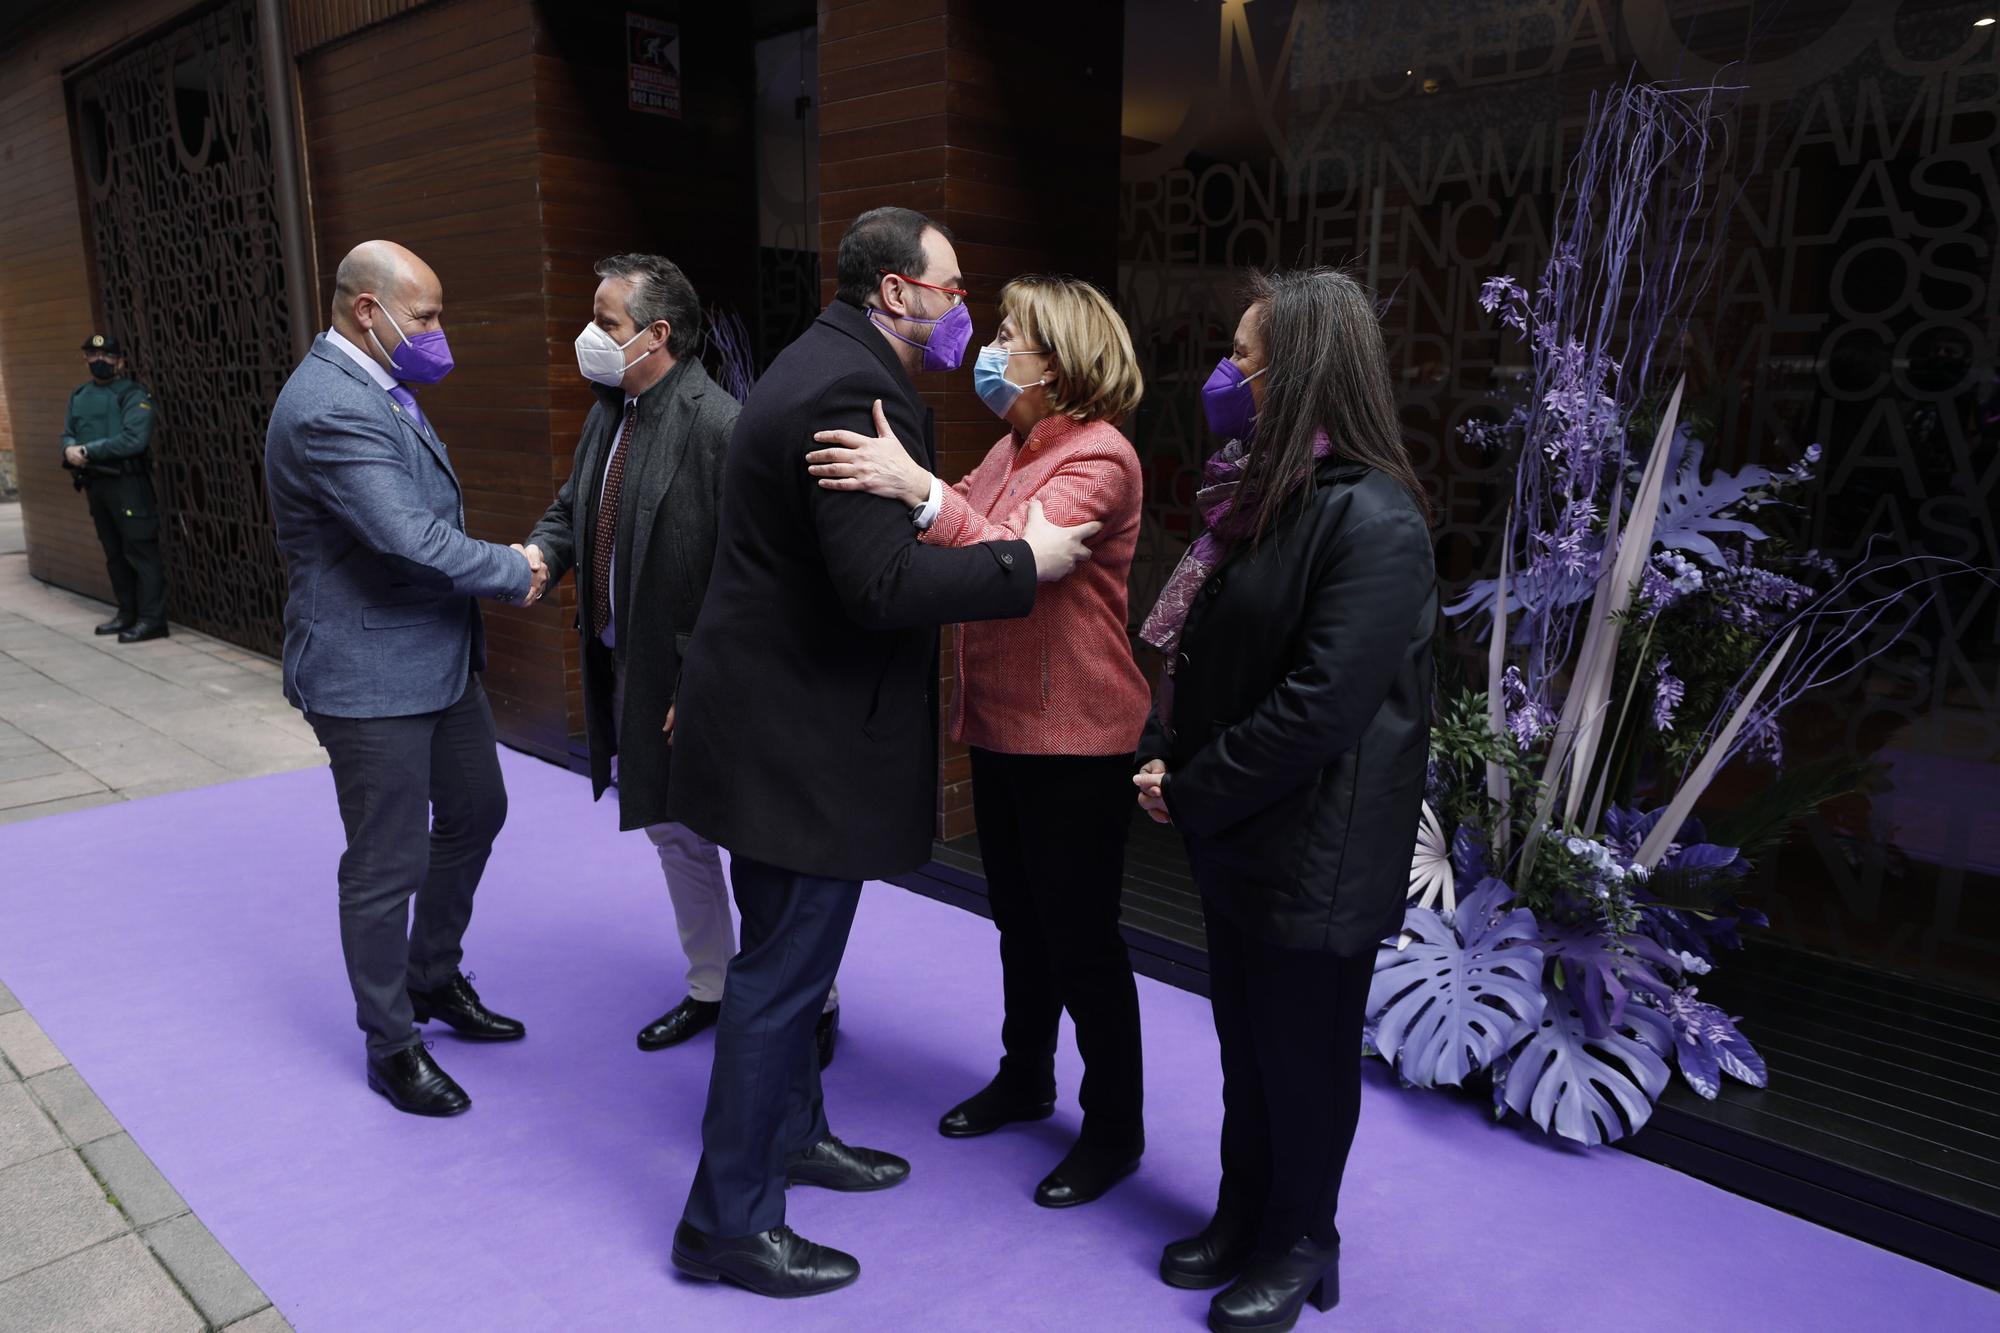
{"points": [[1983, 23]]}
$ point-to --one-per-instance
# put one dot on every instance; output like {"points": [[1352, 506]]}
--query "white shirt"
{"points": [[362, 359], [610, 636], [927, 512]]}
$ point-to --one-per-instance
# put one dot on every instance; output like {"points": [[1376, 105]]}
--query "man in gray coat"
{"points": [[636, 520], [383, 646]]}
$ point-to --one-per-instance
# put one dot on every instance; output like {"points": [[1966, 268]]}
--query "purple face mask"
{"points": [[951, 333], [424, 359], [1227, 403]]}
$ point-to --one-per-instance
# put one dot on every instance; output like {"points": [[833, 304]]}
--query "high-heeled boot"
{"points": [[1269, 1293]]}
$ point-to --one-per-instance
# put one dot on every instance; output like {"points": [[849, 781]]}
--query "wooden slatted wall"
{"points": [[424, 131]]}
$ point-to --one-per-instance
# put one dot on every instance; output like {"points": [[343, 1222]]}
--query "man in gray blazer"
{"points": [[383, 646], [636, 521]]}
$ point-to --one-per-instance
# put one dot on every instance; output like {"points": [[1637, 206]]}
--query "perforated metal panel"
{"points": [[174, 153]]}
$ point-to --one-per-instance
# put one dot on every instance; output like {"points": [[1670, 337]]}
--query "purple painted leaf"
{"points": [[1705, 856], [1534, 591], [1690, 508], [1698, 1068], [1599, 973], [1740, 1060], [1708, 1045], [1627, 827], [1590, 1089], [1452, 1000]]}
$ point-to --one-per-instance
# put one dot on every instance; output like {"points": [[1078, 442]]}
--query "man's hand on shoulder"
{"points": [[1057, 550]]}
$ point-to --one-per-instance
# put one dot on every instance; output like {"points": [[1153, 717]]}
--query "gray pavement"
{"points": [[92, 1236]]}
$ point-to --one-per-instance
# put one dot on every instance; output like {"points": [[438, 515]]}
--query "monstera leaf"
{"points": [[1590, 1089], [1599, 972], [1533, 591], [1456, 996], [1691, 508]]}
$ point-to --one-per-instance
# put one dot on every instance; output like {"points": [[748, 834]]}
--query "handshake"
{"points": [[538, 571]]}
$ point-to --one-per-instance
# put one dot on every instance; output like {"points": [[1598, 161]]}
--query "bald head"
{"points": [[378, 277]]}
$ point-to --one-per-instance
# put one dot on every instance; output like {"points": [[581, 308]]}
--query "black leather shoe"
{"points": [[458, 1006], [1211, 1259], [115, 625], [992, 1106], [1268, 1295], [412, 1082], [141, 630], [1087, 1173], [831, 1164], [778, 1262], [824, 1034], [678, 1024]]}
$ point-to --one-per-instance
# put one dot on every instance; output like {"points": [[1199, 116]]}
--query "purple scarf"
{"points": [[1221, 476]]}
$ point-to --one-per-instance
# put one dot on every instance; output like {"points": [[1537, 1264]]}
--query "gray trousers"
{"points": [[699, 891], [421, 799]]}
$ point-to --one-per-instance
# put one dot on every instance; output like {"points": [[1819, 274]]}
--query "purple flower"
{"points": [[1668, 691], [1669, 577], [1504, 291], [1763, 738], [1528, 719]]}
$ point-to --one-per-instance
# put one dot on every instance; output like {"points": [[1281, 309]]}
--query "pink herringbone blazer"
{"points": [[1062, 679]]}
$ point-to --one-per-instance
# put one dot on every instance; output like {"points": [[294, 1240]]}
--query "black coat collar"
{"points": [[854, 322]]}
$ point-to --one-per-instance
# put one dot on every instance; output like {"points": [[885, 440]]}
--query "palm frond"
{"points": [[1759, 821]]}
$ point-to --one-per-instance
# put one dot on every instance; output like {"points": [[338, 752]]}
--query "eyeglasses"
{"points": [[957, 294]]}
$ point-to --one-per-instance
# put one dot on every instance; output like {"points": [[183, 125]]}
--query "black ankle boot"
{"points": [[1215, 1256], [998, 1103], [1268, 1295], [1089, 1170]]}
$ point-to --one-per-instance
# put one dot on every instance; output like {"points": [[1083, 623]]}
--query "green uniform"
{"points": [[113, 421]]}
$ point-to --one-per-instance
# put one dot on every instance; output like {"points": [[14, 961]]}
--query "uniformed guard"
{"points": [[105, 439]]}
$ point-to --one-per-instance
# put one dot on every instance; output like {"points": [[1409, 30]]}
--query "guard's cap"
{"points": [[103, 342]]}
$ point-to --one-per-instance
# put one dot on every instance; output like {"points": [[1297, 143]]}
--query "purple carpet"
{"points": [[182, 951]]}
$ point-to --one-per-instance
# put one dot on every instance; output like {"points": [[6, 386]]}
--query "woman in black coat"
{"points": [[1288, 746]]}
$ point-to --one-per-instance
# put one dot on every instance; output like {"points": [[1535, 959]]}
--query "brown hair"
{"points": [[1097, 374], [1328, 371]]}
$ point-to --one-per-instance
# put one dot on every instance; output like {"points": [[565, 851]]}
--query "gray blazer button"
{"points": [[1006, 558]]}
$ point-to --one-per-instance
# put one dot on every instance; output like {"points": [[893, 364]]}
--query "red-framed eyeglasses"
{"points": [[956, 293]]}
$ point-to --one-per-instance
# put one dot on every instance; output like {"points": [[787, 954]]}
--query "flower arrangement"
{"points": [[1643, 630]]}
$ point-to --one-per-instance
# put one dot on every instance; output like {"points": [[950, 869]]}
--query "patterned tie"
{"points": [[408, 402], [607, 529]]}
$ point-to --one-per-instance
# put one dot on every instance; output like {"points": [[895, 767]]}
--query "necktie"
{"points": [[607, 528], [408, 402]]}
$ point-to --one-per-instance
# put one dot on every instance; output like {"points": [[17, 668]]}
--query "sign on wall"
{"points": [[653, 65]]}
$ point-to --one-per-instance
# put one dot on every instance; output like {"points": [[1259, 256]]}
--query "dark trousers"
{"points": [[422, 799], [1290, 1025], [1052, 832], [128, 528], [764, 1101]]}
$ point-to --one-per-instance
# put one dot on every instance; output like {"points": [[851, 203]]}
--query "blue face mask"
{"points": [[990, 382]]}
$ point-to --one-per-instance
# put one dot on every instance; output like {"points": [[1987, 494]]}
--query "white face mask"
{"points": [[601, 360]]}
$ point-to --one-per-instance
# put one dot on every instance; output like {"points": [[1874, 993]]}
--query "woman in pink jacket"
{"points": [[1051, 706]]}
